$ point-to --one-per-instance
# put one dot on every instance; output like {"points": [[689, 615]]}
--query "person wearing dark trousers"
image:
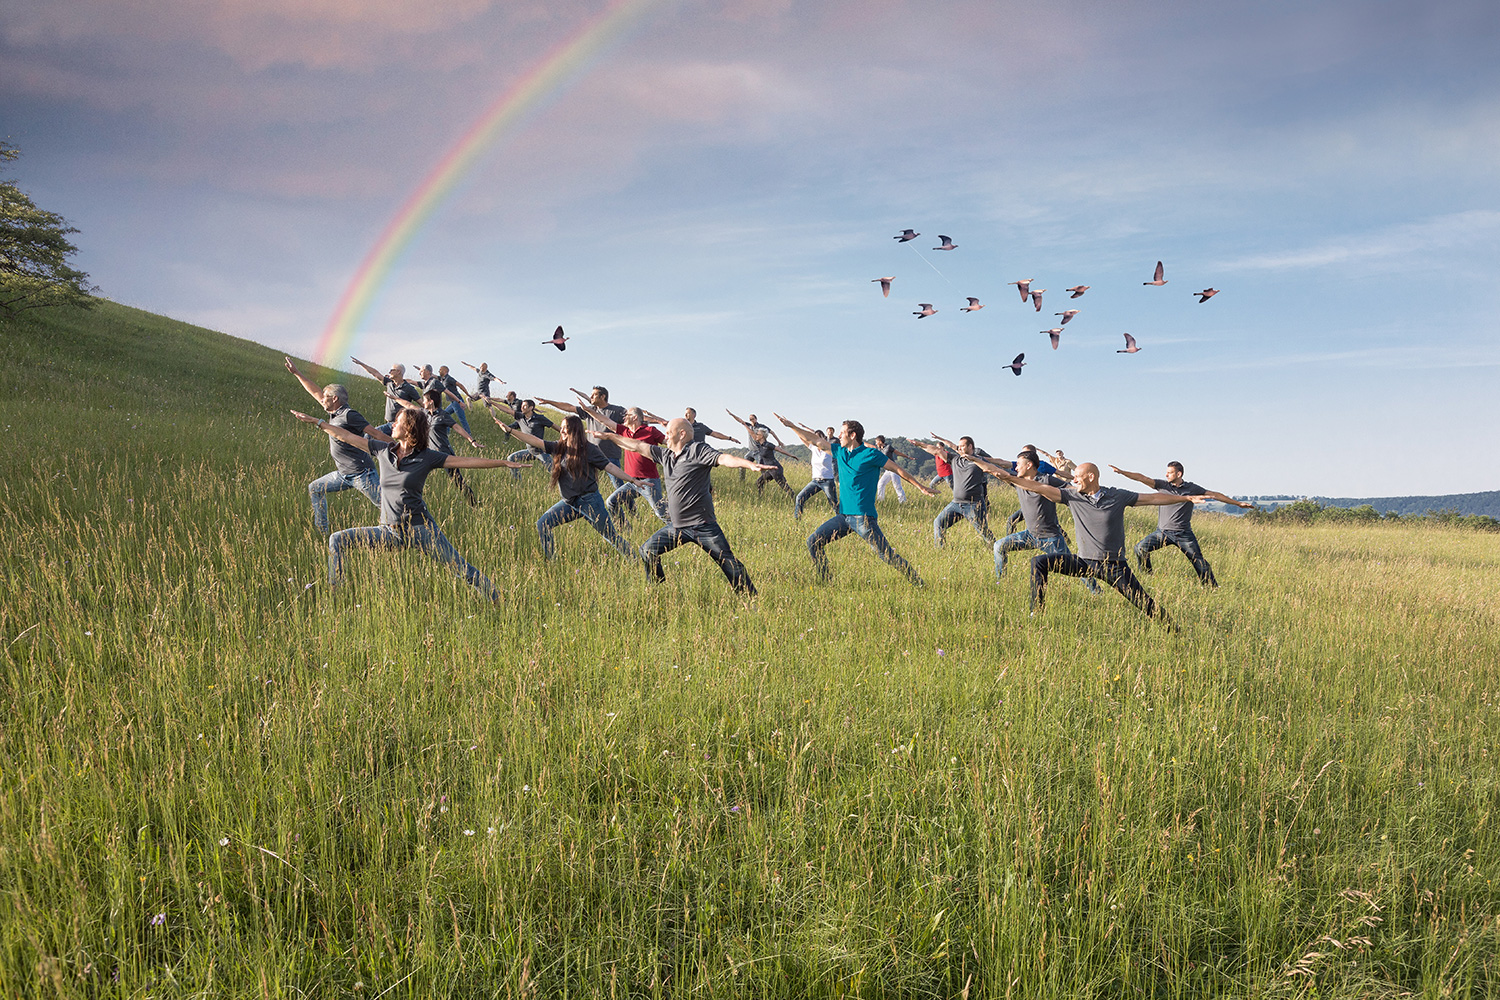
{"points": [[1174, 524], [483, 377], [822, 478], [394, 381], [685, 465], [526, 419], [1099, 514], [439, 423], [971, 497], [859, 468], [751, 426], [763, 453], [1042, 528]]}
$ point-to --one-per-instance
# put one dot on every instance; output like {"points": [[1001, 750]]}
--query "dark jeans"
{"points": [[459, 415], [456, 476], [776, 476], [1115, 572], [829, 488], [590, 506], [1184, 540], [977, 511], [708, 537], [1053, 545], [866, 527]]}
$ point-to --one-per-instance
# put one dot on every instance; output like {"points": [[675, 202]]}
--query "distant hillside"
{"points": [[1464, 503]]}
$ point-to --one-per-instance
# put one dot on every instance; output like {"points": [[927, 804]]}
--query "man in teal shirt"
{"points": [[858, 469]]}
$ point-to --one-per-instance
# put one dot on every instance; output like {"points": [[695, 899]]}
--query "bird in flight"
{"points": [[948, 244], [1036, 298], [885, 285], [973, 306], [1019, 363], [1206, 294], [1077, 290], [906, 234], [1130, 347], [1024, 285], [926, 310], [558, 340], [1067, 315], [1055, 334], [1158, 280]]}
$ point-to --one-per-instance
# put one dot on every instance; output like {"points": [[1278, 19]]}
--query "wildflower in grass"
{"points": [[468, 833], [158, 920], [223, 841]]}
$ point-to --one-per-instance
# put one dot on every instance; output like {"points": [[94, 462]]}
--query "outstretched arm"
{"points": [[810, 437], [1141, 478], [1228, 499], [1167, 499], [735, 462], [522, 436], [492, 403], [377, 376], [788, 454], [629, 444], [932, 449], [891, 466], [312, 387], [723, 437], [1041, 489], [408, 404], [459, 428], [652, 418], [737, 420], [558, 404], [475, 462], [348, 437], [619, 473], [587, 410]]}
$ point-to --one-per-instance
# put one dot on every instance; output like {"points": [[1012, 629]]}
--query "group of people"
{"points": [[666, 465]]}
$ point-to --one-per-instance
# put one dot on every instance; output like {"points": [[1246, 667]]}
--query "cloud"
{"points": [[1400, 243]]}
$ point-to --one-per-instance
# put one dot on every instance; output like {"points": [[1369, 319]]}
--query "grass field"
{"points": [[217, 782]]}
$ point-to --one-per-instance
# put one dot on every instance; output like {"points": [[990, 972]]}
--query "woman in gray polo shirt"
{"points": [[404, 465]]}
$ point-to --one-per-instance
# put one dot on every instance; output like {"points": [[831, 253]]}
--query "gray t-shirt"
{"points": [[763, 453], [348, 459], [701, 431], [616, 415], [1100, 519], [439, 424], [1039, 512], [572, 487], [1177, 516], [536, 425], [402, 480], [405, 390], [685, 477], [970, 482]]}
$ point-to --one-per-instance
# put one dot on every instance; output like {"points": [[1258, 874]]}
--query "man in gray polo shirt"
{"points": [[394, 381], [1174, 524], [1099, 515], [1042, 528], [685, 465], [598, 398], [353, 469], [971, 495]]}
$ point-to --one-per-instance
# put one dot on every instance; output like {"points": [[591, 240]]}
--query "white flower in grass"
{"points": [[468, 833], [223, 841], [525, 789], [490, 831]]}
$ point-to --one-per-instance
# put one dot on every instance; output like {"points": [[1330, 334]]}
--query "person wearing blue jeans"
{"points": [[859, 470], [576, 463], [685, 465], [1043, 531], [525, 418], [404, 464], [822, 479], [1174, 524], [971, 497], [353, 469]]}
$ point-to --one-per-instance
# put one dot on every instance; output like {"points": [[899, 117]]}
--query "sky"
{"points": [[703, 202]]}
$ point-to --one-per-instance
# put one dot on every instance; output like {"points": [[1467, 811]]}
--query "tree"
{"points": [[34, 252]]}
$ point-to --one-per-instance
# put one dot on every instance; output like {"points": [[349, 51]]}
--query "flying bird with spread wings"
{"points": [[925, 311], [906, 234], [885, 285], [1130, 347], [1077, 291], [1019, 363], [558, 340], [1036, 298], [1024, 286], [1206, 294], [1055, 334], [1158, 279], [1067, 315], [948, 244], [973, 306]]}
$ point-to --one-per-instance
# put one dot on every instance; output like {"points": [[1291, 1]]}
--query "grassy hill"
{"points": [[218, 780]]}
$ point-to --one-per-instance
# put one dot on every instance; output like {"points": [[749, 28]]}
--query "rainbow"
{"points": [[563, 64]]}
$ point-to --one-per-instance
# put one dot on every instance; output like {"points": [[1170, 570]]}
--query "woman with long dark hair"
{"points": [[576, 462], [405, 522]]}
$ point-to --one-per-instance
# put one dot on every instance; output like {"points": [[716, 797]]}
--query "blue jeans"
{"points": [[708, 537], [1184, 540], [367, 483], [457, 412], [866, 526], [829, 488], [649, 489], [941, 479], [590, 506], [1055, 545], [975, 510], [1115, 572], [427, 537], [525, 453]]}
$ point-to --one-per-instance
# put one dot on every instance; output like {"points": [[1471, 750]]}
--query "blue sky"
{"points": [[703, 209]]}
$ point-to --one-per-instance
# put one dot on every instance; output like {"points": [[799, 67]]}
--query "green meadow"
{"points": [[216, 781]]}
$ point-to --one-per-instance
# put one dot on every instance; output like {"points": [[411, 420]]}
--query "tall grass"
{"points": [[216, 781]]}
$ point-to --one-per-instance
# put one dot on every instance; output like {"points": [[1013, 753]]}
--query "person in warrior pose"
{"points": [[751, 425], [1174, 524], [889, 477], [526, 419], [393, 381], [439, 423], [483, 377], [613, 413], [858, 468], [353, 469], [636, 465], [822, 478], [1042, 528], [405, 522], [971, 492], [1099, 514], [576, 462], [940, 458], [762, 452], [690, 506]]}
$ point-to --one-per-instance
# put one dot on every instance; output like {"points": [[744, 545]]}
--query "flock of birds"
{"points": [[1028, 294]]}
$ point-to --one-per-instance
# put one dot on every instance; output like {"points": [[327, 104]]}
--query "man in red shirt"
{"points": [[637, 466]]}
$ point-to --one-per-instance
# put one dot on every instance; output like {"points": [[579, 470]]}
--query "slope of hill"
{"points": [[1464, 503]]}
